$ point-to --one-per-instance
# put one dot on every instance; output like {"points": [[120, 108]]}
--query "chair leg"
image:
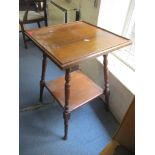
{"points": [[24, 37], [38, 24], [42, 81], [46, 23]]}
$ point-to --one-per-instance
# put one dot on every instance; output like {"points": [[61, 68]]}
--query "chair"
{"points": [[125, 135], [35, 15]]}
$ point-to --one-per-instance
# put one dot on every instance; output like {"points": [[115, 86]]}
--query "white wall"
{"points": [[112, 14], [120, 96]]}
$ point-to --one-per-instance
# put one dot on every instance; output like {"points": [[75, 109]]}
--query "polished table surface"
{"points": [[69, 44]]}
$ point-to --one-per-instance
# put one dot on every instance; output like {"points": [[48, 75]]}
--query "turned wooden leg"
{"points": [[106, 81], [66, 114], [42, 81]]}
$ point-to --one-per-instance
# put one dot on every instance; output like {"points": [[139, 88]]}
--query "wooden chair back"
{"points": [[40, 5], [34, 7]]}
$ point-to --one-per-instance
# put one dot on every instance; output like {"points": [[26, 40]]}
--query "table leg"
{"points": [[77, 15], [65, 16], [106, 81], [66, 114], [38, 24], [23, 33], [42, 81]]}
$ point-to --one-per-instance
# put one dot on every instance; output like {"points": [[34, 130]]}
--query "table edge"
{"points": [[87, 56]]}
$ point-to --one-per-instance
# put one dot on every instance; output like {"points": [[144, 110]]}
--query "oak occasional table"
{"points": [[67, 45]]}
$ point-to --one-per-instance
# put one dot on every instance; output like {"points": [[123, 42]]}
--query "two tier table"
{"points": [[68, 45]]}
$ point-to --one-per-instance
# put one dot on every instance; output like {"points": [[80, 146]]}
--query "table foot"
{"points": [[107, 94], [66, 116], [42, 85]]}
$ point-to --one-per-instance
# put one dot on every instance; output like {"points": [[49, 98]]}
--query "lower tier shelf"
{"points": [[82, 90]]}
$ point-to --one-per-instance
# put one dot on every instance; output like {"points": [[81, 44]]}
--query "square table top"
{"points": [[70, 44]]}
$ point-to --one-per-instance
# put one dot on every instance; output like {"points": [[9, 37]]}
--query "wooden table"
{"points": [[67, 45]]}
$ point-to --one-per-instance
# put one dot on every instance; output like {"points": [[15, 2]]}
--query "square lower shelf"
{"points": [[82, 90]]}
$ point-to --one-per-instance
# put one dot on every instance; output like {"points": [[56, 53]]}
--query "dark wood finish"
{"points": [[66, 17], [38, 24], [77, 15], [106, 80], [82, 41], [42, 81], [23, 34], [82, 90], [26, 5], [40, 6], [67, 45], [66, 113]]}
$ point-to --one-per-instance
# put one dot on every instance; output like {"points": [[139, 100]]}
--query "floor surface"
{"points": [[41, 130]]}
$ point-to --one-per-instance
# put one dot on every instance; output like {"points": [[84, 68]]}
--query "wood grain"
{"points": [[69, 44], [82, 90]]}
